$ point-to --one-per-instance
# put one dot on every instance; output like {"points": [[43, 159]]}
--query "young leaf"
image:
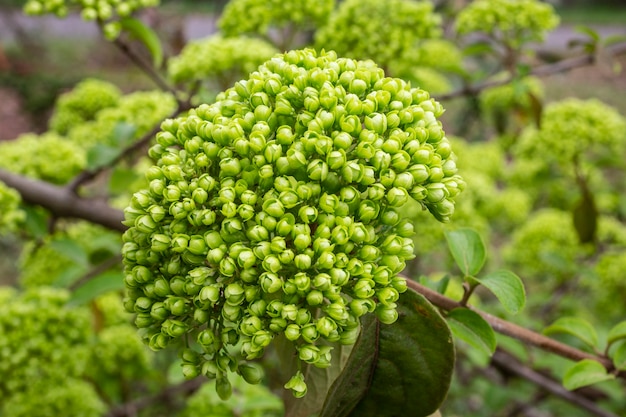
{"points": [[146, 36], [105, 282], [71, 250], [468, 250], [619, 357], [585, 372], [471, 328], [507, 287], [101, 155], [123, 134], [618, 332], [576, 327], [413, 365]]}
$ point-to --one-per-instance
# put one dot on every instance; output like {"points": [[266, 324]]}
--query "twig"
{"points": [[97, 270], [510, 364], [144, 66], [171, 392], [540, 71], [63, 202], [513, 330]]}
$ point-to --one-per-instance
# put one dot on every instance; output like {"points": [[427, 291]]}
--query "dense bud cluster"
{"points": [[142, 110], [40, 156], [574, 128], [109, 12], [395, 31], [241, 17], [82, 104], [10, 214], [40, 339], [513, 22], [274, 211], [223, 60]]}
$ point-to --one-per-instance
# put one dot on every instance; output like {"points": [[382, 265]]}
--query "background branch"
{"points": [[513, 330], [563, 65], [170, 393], [63, 202]]}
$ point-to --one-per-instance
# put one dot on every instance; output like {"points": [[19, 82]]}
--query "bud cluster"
{"points": [[258, 17], [82, 104], [511, 22], [393, 27], [221, 59], [107, 11], [274, 211], [38, 156], [11, 216]]}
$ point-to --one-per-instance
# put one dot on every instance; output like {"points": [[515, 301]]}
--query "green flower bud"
{"points": [[297, 385], [234, 294], [317, 170], [387, 314], [309, 333], [251, 373], [270, 282], [292, 332], [174, 328], [337, 311], [223, 387]]}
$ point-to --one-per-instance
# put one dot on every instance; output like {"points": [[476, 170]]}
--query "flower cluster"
{"points": [[48, 157], [142, 110], [274, 211], [512, 22], [222, 60], [82, 104], [10, 214], [107, 11], [40, 339], [572, 129], [393, 29], [242, 17]]}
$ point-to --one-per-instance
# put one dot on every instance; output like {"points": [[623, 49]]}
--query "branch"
{"points": [[540, 71], [144, 66], [513, 330], [510, 364], [63, 202], [168, 394]]}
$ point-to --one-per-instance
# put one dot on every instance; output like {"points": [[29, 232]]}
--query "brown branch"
{"points": [[150, 71], [63, 202], [172, 392], [563, 65], [513, 330], [511, 365]]}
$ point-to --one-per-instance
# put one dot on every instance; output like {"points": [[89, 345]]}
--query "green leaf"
{"points": [[36, 221], [586, 30], [619, 357], [414, 363], [145, 35], [70, 275], [478, 48], [120, 178], [585, 372], [618, 332], [576, 327], [71, 250], [123, 134], [353, 382], [103, 283], [471, 328], [101, 155], [507, 287], [468, 250], [585, 217]]}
